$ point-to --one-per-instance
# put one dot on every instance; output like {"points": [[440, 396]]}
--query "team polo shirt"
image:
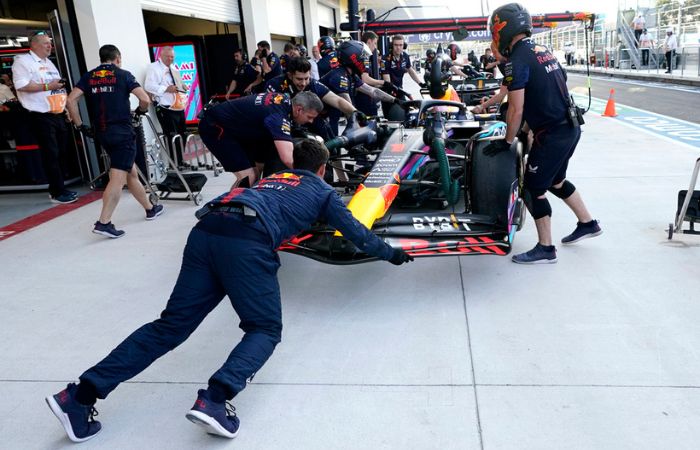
{"points": [[328, 62], [341, 82], [27, 68], [107, 89], [243, 75], [284, 85], [255, 117], [276, 67], [396, 67], [533, 68]]}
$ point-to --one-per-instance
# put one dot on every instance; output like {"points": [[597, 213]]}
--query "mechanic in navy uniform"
{"points": [[107, 89], [397, 63], [329, 57], [245, 133], [345, 81], [230, 252], [268, 66], [243, 75], [290, 51], [538, 94], [298, 79]]}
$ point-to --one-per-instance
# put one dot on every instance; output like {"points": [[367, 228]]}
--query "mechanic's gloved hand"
{"points": [[86, 130], [496, 147], [359, 117], [140, 112], [387, 86], [399, 102], [399, 257], [423, 85]]}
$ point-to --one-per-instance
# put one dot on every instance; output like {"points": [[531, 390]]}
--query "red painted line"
{"points": [[30, 222], [20, 148]]}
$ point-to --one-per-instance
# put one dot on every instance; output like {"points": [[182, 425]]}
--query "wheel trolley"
{"points": [[175, 181], [688, 207]]}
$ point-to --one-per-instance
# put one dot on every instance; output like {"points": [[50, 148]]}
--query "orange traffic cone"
{"points": [[610, 107]]}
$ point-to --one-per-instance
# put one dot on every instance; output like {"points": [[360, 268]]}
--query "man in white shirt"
{"points": [[315, 56], [164, 84], [638, 26], [670, 46], [41, 91]]}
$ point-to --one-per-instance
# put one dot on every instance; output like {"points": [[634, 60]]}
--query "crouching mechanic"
{"points": [[107, 88], [245, 132], [230, 252], [537, 92]]}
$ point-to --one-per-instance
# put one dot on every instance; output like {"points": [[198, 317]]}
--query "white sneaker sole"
{"points": [[209, 424], [53, 200], [157, 214], [109, 235], [539, 261], [65, 421], [585, 236]]}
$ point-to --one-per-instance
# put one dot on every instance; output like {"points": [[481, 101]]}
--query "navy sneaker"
{"points": [[216, 418], [108, 230], [154, 212], [77, 419], [64, 198], [583, 231], [538, 255], [70, 193]]}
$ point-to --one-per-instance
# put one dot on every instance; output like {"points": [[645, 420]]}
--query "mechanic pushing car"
{"points": [[345, 81], [242, 133], [231, 251], [538, 94]]}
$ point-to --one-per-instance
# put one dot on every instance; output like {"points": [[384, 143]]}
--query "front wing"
{"points": [[420, 234]]}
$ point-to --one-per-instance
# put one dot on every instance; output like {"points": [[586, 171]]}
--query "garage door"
{"points": [[216, 10], [284, 17], [326, 16]]}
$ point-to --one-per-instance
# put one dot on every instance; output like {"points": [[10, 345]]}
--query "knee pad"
{"points": [[564, 191], [538, 207]]}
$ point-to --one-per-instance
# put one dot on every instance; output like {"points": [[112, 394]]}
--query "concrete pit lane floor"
{"points": [[598, 351]]}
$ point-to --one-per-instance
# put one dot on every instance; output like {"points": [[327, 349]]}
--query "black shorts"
{"points": [[233, 154], [119, 141], [549, 157]]}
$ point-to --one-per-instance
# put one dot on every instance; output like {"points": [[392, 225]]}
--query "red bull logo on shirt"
{"points": [[103, 73]]}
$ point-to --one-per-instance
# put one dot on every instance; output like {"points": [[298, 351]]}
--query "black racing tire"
{"points": [[491, 181]]}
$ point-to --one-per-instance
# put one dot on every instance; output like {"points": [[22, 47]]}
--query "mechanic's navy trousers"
{"points": [[226, 254]]}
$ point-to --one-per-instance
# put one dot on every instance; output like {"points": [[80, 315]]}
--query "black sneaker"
{"points": [[77, 419], [583, 231], [107, 230], [154, 212], [538, 255], [216, 418], [64, 198]]}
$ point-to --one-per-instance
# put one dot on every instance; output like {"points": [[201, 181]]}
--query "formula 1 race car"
{"points": [[425, 186]]}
